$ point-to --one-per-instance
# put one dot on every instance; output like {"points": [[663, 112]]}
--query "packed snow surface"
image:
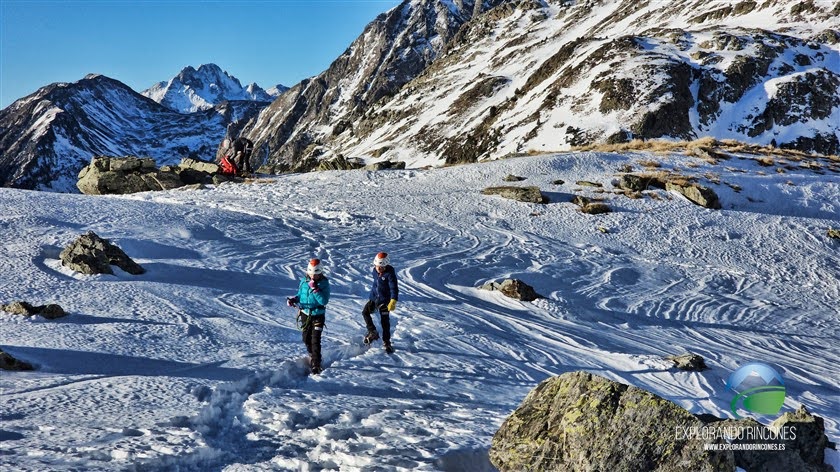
{"points": [[198, 363]]}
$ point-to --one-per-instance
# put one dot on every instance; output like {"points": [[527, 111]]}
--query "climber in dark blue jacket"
{"points": [[383, 297]]}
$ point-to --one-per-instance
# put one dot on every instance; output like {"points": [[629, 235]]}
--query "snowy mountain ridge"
{"points": [[203, 88], [548, 75], [432, 82], [48, 137]]}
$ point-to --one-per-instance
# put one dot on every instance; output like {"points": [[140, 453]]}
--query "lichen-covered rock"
{"points": [[528, 194], [199, 165], [583, 422], [810, 443], [90, 254]]}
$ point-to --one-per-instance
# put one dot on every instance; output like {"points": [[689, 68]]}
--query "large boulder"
{"points": [[689, 362], [90, 254], [112, 175], [579, 421], [340, 163]]}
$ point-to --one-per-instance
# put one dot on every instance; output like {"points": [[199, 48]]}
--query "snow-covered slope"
{"points": [[546, 75], [203, 88], [392, 50], [198, 365], [549, 75]]}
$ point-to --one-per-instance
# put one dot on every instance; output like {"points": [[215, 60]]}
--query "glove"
{"points": [[313, 286], [291, 301], [392, 304]]}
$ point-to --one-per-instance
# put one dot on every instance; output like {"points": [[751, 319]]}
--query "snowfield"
{"points": [[198, 365]]}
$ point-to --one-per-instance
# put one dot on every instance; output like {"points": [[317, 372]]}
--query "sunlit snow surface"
{"points": [[197, 364]]}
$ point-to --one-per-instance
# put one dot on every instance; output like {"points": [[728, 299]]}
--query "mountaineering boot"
{"points": [[387, 346], [371, 336], [316, 368]]}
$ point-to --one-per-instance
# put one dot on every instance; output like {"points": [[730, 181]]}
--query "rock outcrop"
{"points": [[513, 288], [689, 362], [120, 175], [49, 311], [697, 194], [579, 421], [107, 175], [529, 194], [90, 254], [7, 362]]}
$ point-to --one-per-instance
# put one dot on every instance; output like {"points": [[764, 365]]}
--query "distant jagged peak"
{"points": [[197, 89]]}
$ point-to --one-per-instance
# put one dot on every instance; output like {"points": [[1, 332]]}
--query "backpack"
{"points": [[227, 167]]}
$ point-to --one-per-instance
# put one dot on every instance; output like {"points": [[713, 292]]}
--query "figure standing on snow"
{"points": [[236, 157], [383, 298], [312, 298]]}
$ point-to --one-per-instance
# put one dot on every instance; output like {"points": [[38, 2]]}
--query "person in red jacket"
{"points": [[383, 298]]}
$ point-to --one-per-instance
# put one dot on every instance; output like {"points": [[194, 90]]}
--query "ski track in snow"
{"points": [[197, 365]]}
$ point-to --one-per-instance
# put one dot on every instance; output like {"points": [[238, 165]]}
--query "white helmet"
{"points": [[381, 260], [315, 267]]}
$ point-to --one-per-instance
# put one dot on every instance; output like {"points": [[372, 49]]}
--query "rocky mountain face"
{"points": [[49, 136], [203, 88], [433, 81], [393, 50]]}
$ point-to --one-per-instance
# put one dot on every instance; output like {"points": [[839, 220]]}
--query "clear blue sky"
{"points": [[144, 42]]}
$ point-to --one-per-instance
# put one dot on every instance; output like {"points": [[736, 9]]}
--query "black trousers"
{"points": [[313, 327], [384, 319]]}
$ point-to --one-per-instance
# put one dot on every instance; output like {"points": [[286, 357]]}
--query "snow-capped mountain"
{"points": [[50, 135], [532, 76], [393, 49], [203, 88]]}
